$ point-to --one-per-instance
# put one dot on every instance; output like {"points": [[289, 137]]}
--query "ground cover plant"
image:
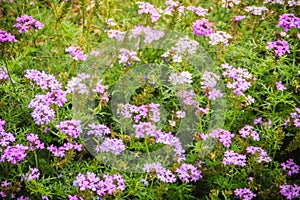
{"points": [[149, 100]]}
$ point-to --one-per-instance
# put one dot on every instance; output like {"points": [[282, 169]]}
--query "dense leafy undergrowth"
{"points": [[149, 100]]}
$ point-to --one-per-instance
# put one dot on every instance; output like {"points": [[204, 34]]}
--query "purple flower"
{"points": [[162, 173], [5, 138], [291, 167], [7, 37], [101, 90], [118, 35], [26, 22], [76, 53], [290, 191], [280, 86], [33, 173], [263, 156], [244, 193], [43, 114], [202, 27], [98, 130], [281, 47], [3, 74], [249, 131], [107, 186], [219, 37], [239, 78], [209, 84], [70, 127], [14, 154], [147, 8], [188, 173], [127, 56], [145, 181], [149, 34], [45, 81], [75, 197], [34, 142], [79, 84], [288, 21], [181, 78], [238, 18], [114, 145], [232, 158]]}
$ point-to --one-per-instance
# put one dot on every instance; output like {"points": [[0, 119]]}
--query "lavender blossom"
{"points": [[7, 37], [291, 167], [244, 193], [290, 191], [288, 21], [188, 173], [202, 27], [70, 127], [281, 47], [232, 158], [25, 23], [114, 146], [76, 53]]}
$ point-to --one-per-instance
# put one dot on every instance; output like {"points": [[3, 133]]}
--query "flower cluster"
{"points": [[288, 21], [181, 78], [34, 142], [199, 11], [244, 193], [5, 138], [254, 10], [296, 117], [3, 74], [70, 127], [76, 53], [188, 97], [222, 135], [219, 37], [238, 18], [240, 78], [230, 3], [274, 2], [202, 27], [151, 110], [75, 197], [171, 7], [290, 191], [116, 34], [14, 154], [45, 81], [209, 84], [184, 46], [98, 130], [263, 156], [232, 158], [127, 56], [281, 47], [79, 84], [25, 23], [61, 151], [163, 174], [112, 145], [291, 167], [92, 182], [249, 131], [188, 173], [149, 34], [147, 8], [33, 173], [101, 90], [43, 113], [292, 3], [7, 37]]}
